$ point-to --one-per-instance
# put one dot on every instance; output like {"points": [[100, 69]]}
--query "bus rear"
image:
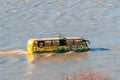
{"points": [[30, 47]]}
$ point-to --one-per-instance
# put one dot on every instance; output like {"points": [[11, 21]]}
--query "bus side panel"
{"points": [[51, 49], [47, 48], [79, 47]]}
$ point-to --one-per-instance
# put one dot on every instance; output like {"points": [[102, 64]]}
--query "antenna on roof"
{"points": [[58, 35]]}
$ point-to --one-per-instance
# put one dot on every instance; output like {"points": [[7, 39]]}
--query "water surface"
{"points": [[95, 20]]}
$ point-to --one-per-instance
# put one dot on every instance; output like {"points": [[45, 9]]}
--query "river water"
{"points": [[95, 20]]}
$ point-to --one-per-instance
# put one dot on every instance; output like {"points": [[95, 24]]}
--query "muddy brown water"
{"points": [[95, 20]]}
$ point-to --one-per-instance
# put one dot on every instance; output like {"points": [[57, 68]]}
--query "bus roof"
{"points": [[67, 38], [31, 41]]}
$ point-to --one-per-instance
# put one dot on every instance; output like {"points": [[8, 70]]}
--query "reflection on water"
{"points": [[32, 57], [54, 64]]}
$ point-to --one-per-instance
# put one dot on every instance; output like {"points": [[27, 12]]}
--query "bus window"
{"points": [[55, 43], [84, 42], [47, 43], [69, 42], [41, 44], [36, 43], [62, 42], [76, 42]]}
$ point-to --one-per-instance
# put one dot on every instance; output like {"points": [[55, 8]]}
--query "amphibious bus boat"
{"points": [[57, 45]]}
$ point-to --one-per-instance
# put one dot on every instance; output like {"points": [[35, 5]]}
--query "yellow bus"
{"points": [[57, 45]]}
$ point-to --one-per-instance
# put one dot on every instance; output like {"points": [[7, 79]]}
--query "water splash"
{"points": [[32, 57]]}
